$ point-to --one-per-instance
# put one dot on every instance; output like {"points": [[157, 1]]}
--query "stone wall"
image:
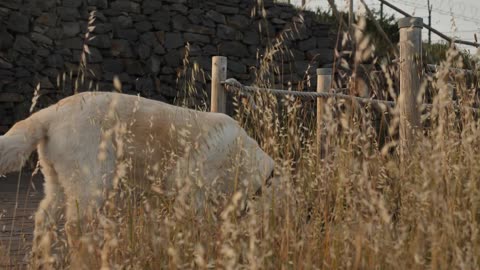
{"points": [[143, 42]]}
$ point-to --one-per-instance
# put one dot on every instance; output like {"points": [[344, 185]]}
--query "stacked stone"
{"points": [[143, 42]]}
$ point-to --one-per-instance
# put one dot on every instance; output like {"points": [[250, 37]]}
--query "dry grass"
{"points": [[358, 207]]}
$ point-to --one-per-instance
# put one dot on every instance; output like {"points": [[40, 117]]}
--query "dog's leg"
{"points": [[46, 218], [84, 204]]}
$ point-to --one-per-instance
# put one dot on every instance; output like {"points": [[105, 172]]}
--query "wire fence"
{"points": [[232, 85]]}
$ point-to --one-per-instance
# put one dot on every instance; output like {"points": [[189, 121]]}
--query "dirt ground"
{"points": [[16, 216]]}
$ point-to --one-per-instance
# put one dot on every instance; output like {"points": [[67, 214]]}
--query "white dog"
{"points": [[84, 139]]}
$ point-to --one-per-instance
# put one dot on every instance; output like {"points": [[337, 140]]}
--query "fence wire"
{"points": [[234, 85]]}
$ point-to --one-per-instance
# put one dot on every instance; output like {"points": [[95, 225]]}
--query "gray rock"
{"points": [[203, 61], [144, 85], [173, 40], [173, 58], [143, 26], [278, 21], [6, 40], [5, 65], [70, 29], [167, 70], [195, 19], [11, 97], [239, 21], [208, 23], [210, 49], [308, 44], [101, 41], [180, 23], [153, 64], [43, 52], [113, 65], [51, 73], [122, 22], [302, 66], [64, 52], [321, 55], [22, 72], [55, 60], [237, 67], [161, 26], [39, 38], [48, 19], [163, 16], [68, 14], [23, 44], [134, 67], [71, 3], [6, 76], [55, 33], [18, 22], [232, 48], [150, 6], [297, 54], [121, 47], [160, 36], [159, 49], [128, 34], [226, 32], [95, 56], [100, 17], [39, 28], [149, 38], [176, 1], [13, 4], [179, 8], [325, 42], [195, 50], [44, 82], [227, 9], [267, 29], [102, 28], [251, 38], [216, 17], [144, 51], [98, 3], [191, 37], [125, 6], [72, 43]]}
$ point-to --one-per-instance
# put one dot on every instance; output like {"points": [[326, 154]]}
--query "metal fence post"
{"points": [[410, 79], [219, 74], [324, 82]]}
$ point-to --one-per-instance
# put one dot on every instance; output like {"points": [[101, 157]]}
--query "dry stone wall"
{"points": [[143, 42]]}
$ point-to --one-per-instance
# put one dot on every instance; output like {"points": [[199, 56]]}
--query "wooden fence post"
{"points": [[219, 74], [324, 82], [410, 79]]}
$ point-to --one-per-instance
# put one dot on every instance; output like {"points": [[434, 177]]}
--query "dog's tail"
{"points": [[19, 142]]}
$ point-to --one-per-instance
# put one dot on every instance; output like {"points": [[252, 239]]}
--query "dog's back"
{"points": [[85, 136]]}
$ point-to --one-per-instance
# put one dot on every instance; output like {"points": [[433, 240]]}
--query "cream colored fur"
{"points": [[83, 139]]}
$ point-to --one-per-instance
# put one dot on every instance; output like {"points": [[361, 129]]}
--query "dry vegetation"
{"points": [[356, 207]]}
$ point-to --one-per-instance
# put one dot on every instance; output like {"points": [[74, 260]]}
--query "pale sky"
{"points": [[464, 13]]}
